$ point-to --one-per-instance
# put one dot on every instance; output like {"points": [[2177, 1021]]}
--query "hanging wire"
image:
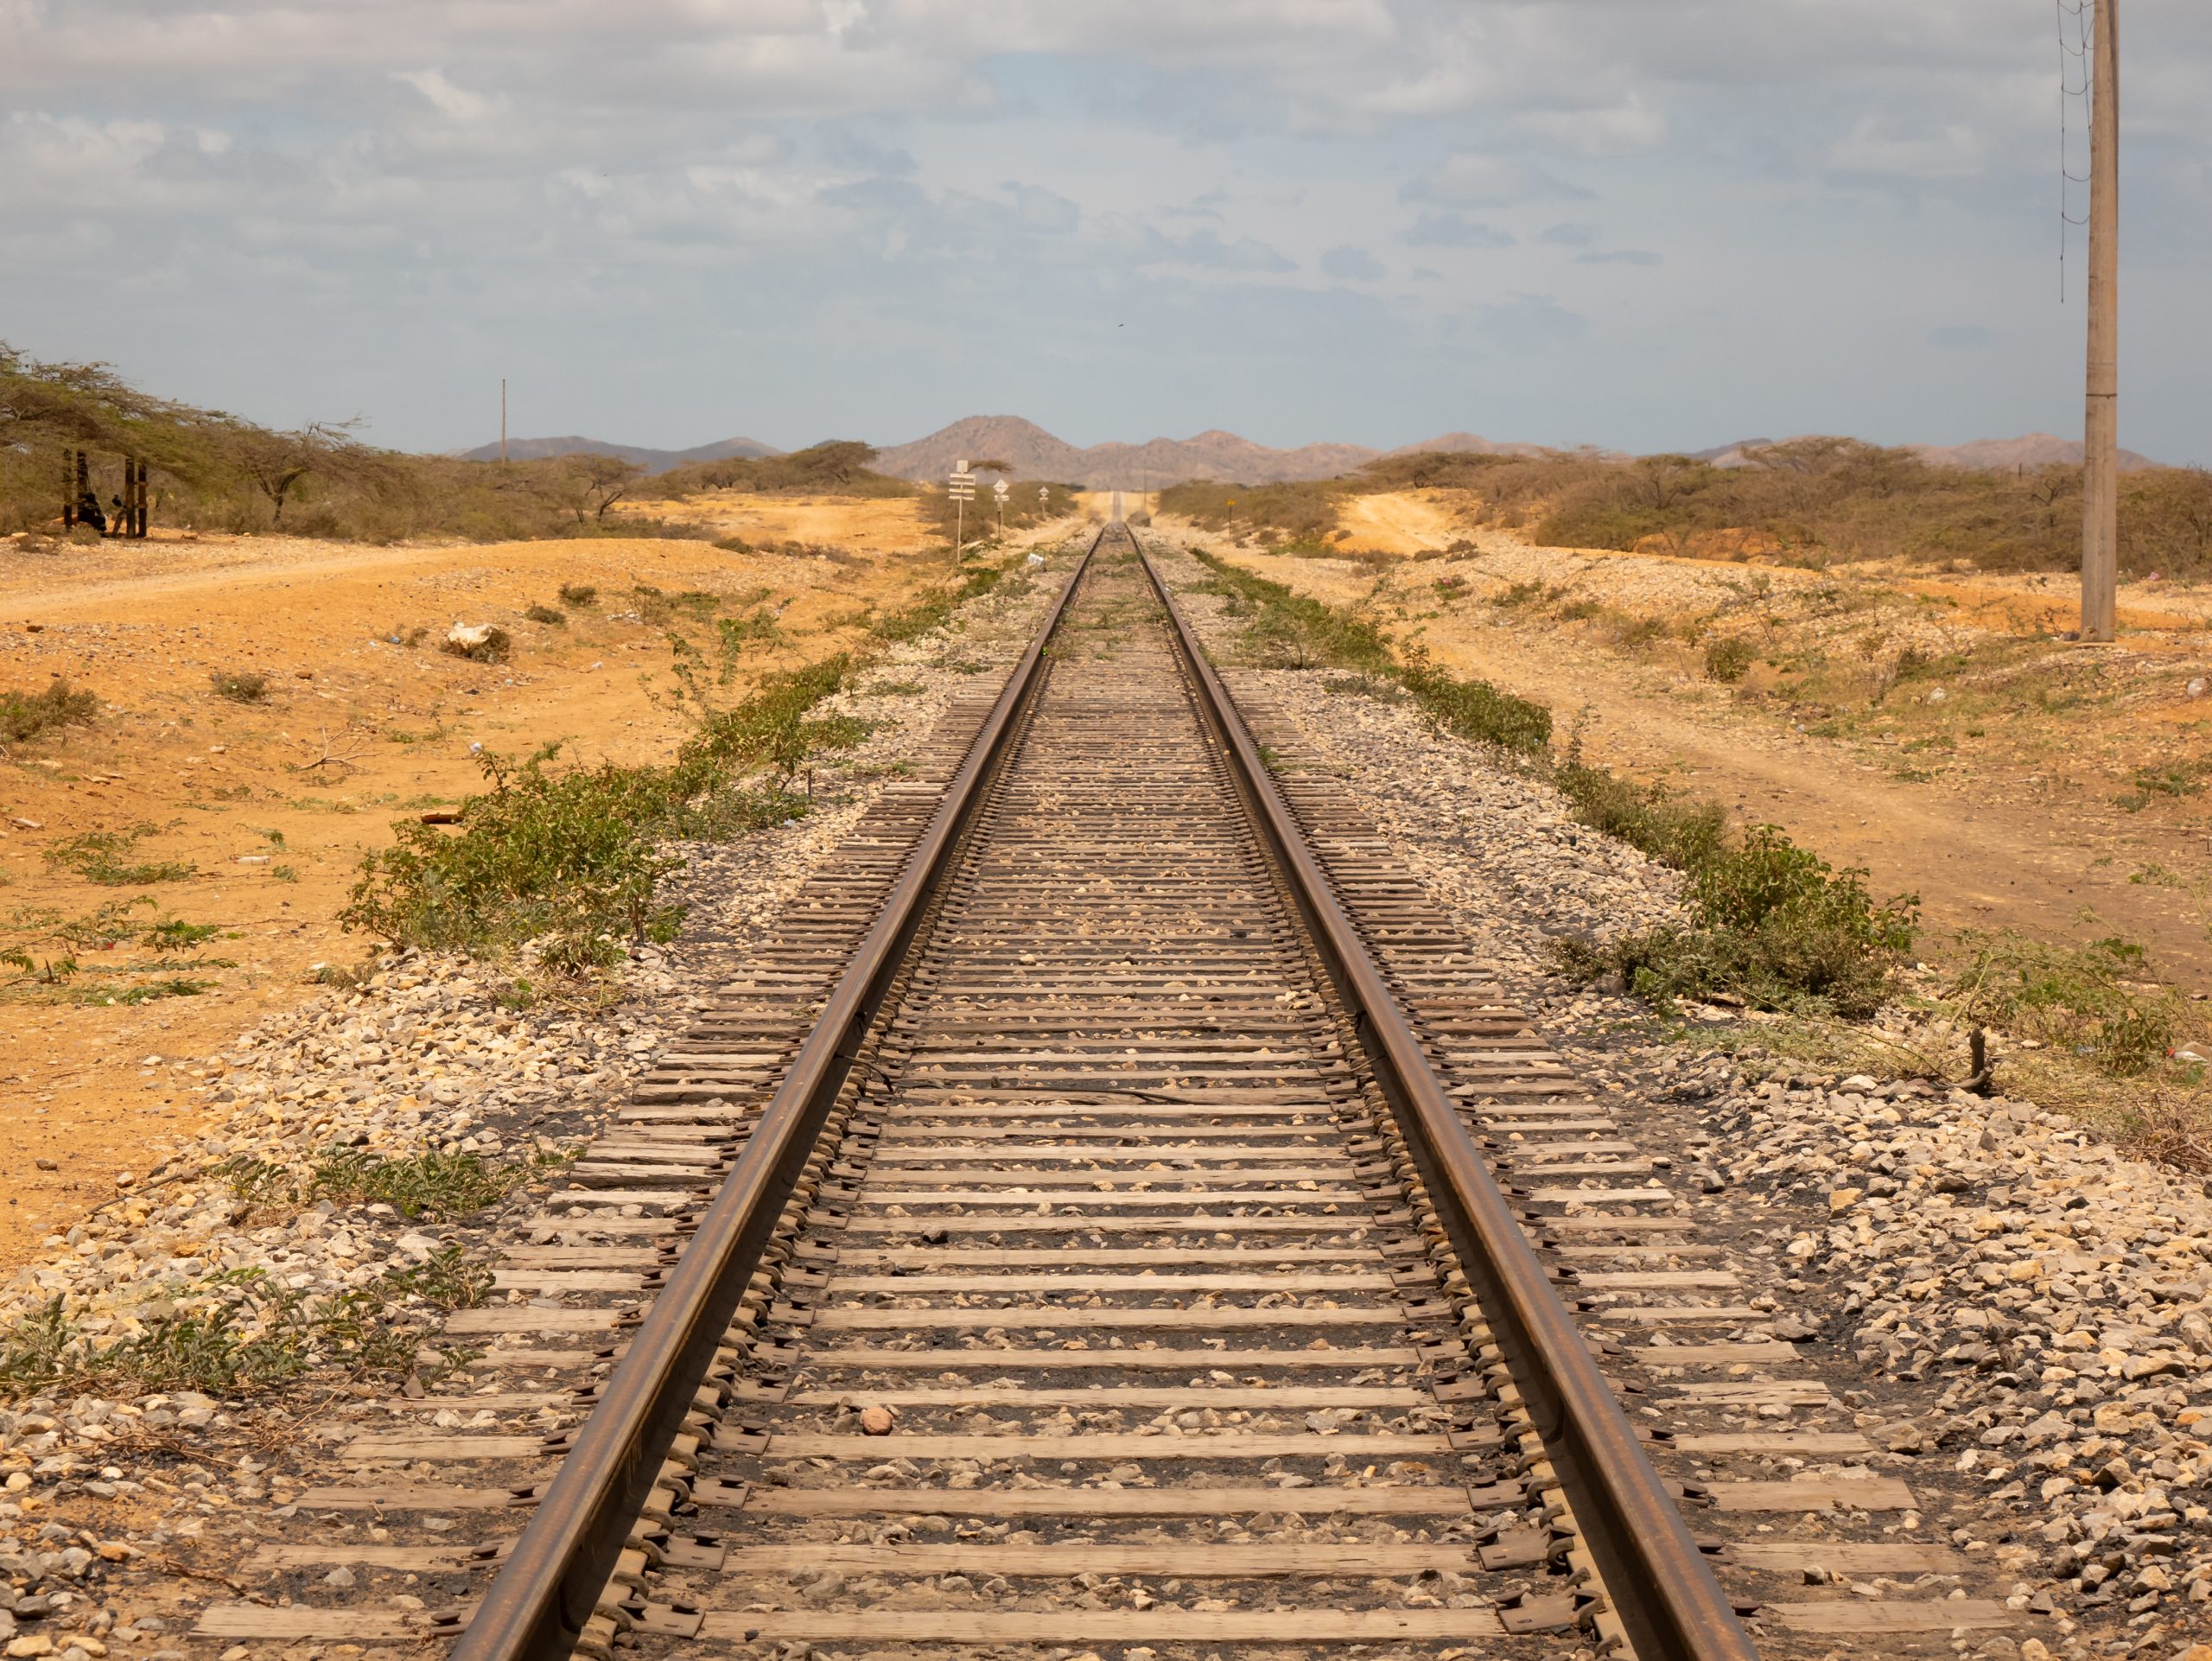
{"points": [[2077, 50]]}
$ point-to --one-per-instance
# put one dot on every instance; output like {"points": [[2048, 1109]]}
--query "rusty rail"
{"points": [[536, 1608], [1657, 1582]]}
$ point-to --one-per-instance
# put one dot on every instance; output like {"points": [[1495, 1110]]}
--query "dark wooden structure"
{"points": [[76, 487]]}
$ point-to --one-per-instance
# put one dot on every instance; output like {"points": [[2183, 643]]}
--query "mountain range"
{"points": [[1033, 452]]}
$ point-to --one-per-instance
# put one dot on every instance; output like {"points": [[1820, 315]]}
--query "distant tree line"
{"points": [[1811, 501], [214, 471]]}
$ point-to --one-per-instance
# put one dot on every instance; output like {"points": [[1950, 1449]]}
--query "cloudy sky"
{"points": [[668, 221]]}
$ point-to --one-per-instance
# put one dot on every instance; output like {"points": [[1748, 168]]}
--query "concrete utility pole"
{"points": [[2100, 422]]}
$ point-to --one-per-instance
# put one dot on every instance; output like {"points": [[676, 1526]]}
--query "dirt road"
{"points": [[1984, 847], [262, 811]]}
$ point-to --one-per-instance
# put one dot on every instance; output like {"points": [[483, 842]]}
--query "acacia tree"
{"points": [[598, 482], [276, 463]]}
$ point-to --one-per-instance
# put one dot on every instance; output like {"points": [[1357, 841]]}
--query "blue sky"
{"points": [[1604, 222]]}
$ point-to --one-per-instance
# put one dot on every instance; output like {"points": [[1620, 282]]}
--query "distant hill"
{"points": [[532, 449], [1035, 454]]}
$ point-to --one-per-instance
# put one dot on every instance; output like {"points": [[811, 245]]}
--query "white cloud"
{"points": [[880, 169], [449, 98]]}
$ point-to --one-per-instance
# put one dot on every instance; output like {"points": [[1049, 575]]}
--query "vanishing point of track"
{"points": [[1076, 1229]]}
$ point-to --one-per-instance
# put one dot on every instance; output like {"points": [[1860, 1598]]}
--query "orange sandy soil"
{"points": [[144, 626], [2014, 801], [860, 525]]}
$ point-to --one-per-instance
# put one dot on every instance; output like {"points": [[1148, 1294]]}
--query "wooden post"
{"points": [[68, 494], [2100, 419], [84, 480], [139, 499]]}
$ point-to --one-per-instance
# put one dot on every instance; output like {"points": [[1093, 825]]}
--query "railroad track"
{"points": [[1116, 1214]]}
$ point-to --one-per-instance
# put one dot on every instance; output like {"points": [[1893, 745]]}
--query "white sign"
{"points": [[1001, 490], [963, 484]]}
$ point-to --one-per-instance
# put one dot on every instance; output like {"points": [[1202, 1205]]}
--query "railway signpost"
{"points": [[963, 491], [1001, 490]]}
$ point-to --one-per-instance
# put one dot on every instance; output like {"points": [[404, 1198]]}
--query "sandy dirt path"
{"points": [[230, 790], [1981, 854]]}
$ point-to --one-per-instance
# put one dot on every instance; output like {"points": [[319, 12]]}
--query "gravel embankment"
{"points": [[96, 1509], [2025, 1304]]}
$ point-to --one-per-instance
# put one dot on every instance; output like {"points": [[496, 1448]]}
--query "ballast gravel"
{"points": [[2025, 1303], [104, 1497]]}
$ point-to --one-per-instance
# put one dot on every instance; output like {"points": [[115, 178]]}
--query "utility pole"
{"points": [[2101, 421], [502, 421]]}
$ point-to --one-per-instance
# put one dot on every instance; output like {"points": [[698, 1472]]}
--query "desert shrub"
{"points": [[32, 714], [99, 856], [496, 647], [836, 467], [578, 594], [1302, 510], [240, 688], [543, 613], [1530, 592], [1772, 925], [1282, 626], [571, 858], [2101, 1000], [1728, 659], [1682, 834], [241, 1330], [775, 728], [567, 855]]}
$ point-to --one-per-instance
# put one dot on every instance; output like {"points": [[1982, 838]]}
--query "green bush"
{"points": [[1772, 925], [243, 1332], [1297, 631], [240, 689], [543, 613], [578, 594], [566, 854], [572, 859], [32, 714], [1303, 510], [97, 856], [1728, 659], [1684, 834], [2101, 1000]]}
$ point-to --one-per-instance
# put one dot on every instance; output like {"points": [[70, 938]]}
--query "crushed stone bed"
{"points": [[2028, 1311], [110, 1503]]}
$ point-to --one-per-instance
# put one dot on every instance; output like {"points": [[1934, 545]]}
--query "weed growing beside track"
{"points": [[573, 859], [242, 1329], [1298, 631], [1771, 924]]}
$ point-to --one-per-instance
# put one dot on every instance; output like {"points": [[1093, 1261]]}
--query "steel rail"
{"points": [[536, 1608], [1658, 1583]]}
